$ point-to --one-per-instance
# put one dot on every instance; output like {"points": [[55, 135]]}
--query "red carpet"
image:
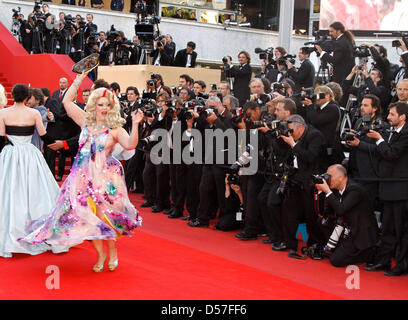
{"points": [[166, 259]]}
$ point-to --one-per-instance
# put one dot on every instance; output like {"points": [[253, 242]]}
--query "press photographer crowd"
{"points": [[331, 154]]}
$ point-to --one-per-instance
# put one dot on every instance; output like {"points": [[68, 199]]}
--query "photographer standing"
{"points": [[353, 207], [393, 151], [325, 116], [279, 153], [213, 173], [160, 56], [242, 76], [371, 85], [304, 77], [307, 145], [342, 58], [364, 159]]}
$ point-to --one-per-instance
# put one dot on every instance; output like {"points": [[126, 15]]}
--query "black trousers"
{"points": [[298, 207], [193, 179], [394, 236], [272, 215], [213, 178], [178, 176], [134, 171], [253, 221], [346, 254], [50, 156], [162, 185], [149, 179]]}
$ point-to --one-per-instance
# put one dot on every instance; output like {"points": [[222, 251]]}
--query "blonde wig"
{"points": [[113, 119], [3, 98]]}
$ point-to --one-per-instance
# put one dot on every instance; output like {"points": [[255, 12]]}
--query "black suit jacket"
{"points": [[71, 2], [325, 120], [308, 152], [304, 76], [181, 58], [356, 209], [342, 59], [165, 59], [393, 164], [364, 159], [242, 76]]}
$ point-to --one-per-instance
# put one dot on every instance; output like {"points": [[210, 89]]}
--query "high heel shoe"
{"points": [[113, 265], [98, 267]]}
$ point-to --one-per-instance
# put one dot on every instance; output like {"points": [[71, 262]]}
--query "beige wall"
{"points": [[137, 75]]}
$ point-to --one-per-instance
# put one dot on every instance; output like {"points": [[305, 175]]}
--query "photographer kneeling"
{"points": [[358, 230]]}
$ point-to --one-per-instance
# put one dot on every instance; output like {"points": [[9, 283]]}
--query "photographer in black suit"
{"points": [[278, 153], [393, 151], [307, 145], [242, 76], [325, 116], [304, 77], [364, 158], [186, 58], [160, 56], [342, 58], [213, 173], [372, 84], [355, 211]]}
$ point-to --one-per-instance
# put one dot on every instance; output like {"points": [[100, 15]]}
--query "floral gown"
{"points": [[95, 182]]}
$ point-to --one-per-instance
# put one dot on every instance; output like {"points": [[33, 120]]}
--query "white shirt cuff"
{"points": [[379, 141], [327, 195]]}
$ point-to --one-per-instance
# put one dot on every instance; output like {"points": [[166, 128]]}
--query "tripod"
{"points": [[323, 72], [351, 102], [146, 51]]}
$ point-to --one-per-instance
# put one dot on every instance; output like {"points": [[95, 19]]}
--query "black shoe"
{"points": [[169, 211], [147, 204], [293, 254], [246, 236], [267, 241], [58, 178], [280, 246], [156, 209], [397, 271], [175, 215], [187, 218], [197, 223], [376, 267]]}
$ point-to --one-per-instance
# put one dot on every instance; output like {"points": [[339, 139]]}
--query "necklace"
{"points": [[97, 127]]}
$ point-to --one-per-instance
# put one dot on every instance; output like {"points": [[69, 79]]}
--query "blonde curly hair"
{"points": [[3, 98], [113, 119]]}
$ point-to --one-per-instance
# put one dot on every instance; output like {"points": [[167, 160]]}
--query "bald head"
{"points": [[63, 83]]}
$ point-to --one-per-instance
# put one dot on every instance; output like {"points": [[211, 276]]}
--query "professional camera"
{"points": [[143, 102], [147, 140], [339, 230], [280, 88], [192, 104], [323, 40], [264, 98], [203, 95], [287, 57], [237, 115], [265, 54], [16, 12], [308, 93], [318, 179], [286, 172], [234, 178], [366, 125], [148, 111], [361, 52], [242, 161], [404, 36], [225, 62]]}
